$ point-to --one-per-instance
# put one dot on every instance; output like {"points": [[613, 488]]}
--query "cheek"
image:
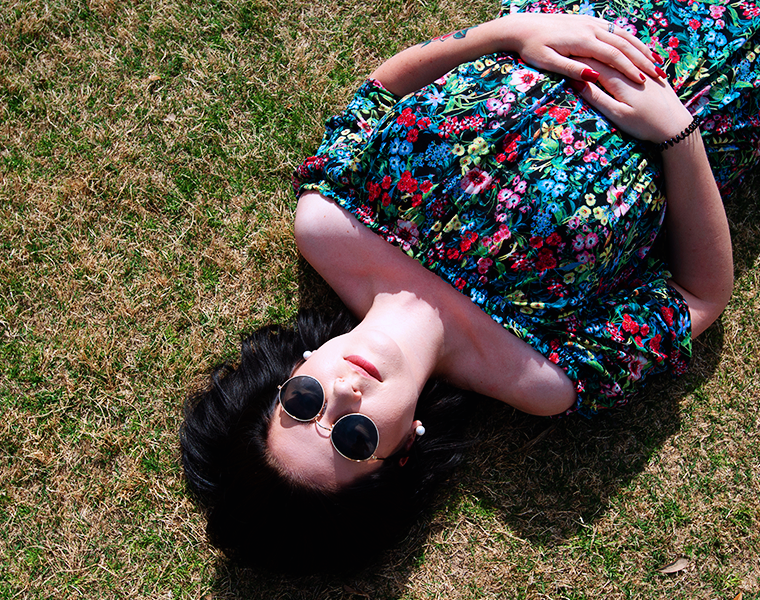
{"points": [[397, 419], [320, 366], [298, 452]]}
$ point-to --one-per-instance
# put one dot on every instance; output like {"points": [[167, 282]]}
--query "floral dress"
{"points": [[502, 181]]}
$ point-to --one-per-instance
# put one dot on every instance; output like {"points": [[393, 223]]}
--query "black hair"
{"points": [[261, 518]]}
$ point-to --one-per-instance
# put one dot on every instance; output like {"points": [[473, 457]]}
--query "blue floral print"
{"points": [[503, 182]]}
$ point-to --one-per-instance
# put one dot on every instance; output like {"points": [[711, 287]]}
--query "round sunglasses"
{"points": [[354, 436]]}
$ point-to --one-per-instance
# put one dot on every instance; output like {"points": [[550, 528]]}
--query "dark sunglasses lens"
{"points": [[355, 437], [302, 397]]}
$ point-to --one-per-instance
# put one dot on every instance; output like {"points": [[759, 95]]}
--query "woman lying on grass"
{"points": [[490, 207]]}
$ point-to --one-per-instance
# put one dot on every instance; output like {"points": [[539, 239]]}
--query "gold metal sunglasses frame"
{"points": [[318, 416]]}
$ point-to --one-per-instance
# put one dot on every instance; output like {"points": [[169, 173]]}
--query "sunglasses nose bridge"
{"points": [[318, 424]]}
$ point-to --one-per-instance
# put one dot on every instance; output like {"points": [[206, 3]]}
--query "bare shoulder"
{"points": [[343, 250], [355, 262], [322, 227], [338, 247]]}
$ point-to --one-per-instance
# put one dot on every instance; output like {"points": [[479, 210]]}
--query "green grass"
{"points": [[145, 222]]}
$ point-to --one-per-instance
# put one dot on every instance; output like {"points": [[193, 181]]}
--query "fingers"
{"points": [[622, 33], [578, 69], [604, 103], [620, 55], [606, 100], [564, 42], [639, 56], [569, 67], [611, 80], [648, 110], [623, 51]]}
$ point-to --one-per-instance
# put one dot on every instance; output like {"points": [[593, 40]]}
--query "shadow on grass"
{"points": [[743, 212], [547, 479], [544, 478]]}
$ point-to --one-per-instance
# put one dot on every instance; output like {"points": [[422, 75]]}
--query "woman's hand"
{"points": [[557, 42], [648, 111]]}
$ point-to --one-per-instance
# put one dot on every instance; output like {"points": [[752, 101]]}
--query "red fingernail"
{"points": [[657, 58], [578, 86], [661, 73], [643, 77], [589, 75]]}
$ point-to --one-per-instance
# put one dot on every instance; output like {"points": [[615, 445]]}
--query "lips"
{"points": [[364, 367]]}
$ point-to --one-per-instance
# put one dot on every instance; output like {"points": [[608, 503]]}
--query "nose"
{"points": [[341, 401], [345, 391]]}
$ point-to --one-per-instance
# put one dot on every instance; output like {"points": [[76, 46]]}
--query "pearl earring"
{"points": [[306, 354], [420, 430]]}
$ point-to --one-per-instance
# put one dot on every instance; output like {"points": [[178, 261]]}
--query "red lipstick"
{"points": [[364, 366]]}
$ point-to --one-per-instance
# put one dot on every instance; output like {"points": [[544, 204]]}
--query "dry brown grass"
{"points": [[145, 210]]}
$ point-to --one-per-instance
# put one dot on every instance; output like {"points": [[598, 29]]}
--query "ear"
{"points": [[306, 355], [409, 442], [412, 437], [300, 361]]}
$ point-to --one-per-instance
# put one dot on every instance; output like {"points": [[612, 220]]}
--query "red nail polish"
{"points": [[643, 77], [661, 73], [589, 75], [578, 86], [657, 58]]}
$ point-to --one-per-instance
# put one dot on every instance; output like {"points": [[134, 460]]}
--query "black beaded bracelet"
{"points": [[681, 136]]}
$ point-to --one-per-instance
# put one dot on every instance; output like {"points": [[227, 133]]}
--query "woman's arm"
{"points": [[549, 42], [699, 242]]}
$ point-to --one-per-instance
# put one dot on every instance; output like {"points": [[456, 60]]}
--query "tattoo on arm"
{"points": [[457, 35]]}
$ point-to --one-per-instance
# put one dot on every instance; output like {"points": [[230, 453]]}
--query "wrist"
{"points": [[497, 37], [691, 129], [675, 122], [509, 32]]}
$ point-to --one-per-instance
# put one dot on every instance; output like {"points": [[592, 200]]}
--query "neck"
{"points": [[416, 327]]}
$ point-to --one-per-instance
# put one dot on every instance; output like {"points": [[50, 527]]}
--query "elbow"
{"points": [[726, 296], [720, 299], [705, 311]]}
